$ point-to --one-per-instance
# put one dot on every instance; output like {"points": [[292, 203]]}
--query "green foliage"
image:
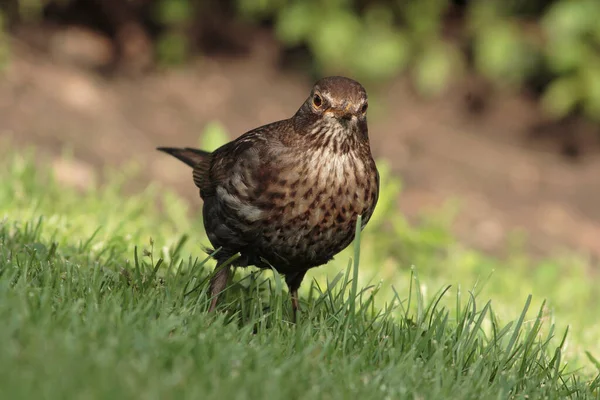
{"points": [[508, 42], [4, 51], [173, 12], [378, 41], [368, 45], [91, 307], [501, 54], [30, 10], [214, 136], [573, 35], [172, 46]]}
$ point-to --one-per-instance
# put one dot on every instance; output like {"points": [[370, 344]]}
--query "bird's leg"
{"points": [[295, 305], [217, 284], [293, 281]]}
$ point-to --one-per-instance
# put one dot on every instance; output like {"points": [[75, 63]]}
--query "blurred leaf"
{"points": [[561, 96], [295, 22], [424, 17], [3, 44], [214, 136], [569, 19], [565, 54], [434, 69], [388, 195], [30, 10], [590, 76], [259, 9], [499, 52], [334, 38], [380, 16], [596, 32], [481, 14], [380, 53], [173, 12], [172, 48]]}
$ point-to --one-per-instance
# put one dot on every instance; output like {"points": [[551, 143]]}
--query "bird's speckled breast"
{"points": [[315, 222]]}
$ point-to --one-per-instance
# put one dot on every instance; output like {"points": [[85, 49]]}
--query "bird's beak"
{"points": [[342, 113]]}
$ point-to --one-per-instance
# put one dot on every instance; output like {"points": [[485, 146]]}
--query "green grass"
{"points": [[103, 295]]}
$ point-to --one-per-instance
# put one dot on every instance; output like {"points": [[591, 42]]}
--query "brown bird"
{"points": [[288, 194]]}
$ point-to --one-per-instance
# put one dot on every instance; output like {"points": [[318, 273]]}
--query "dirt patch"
{"points": [[507, 174]]}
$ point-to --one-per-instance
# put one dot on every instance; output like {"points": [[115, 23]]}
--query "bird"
{"points": [[287, 195]]}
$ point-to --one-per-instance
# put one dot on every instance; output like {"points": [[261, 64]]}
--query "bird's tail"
{"points": [[191, 157]]}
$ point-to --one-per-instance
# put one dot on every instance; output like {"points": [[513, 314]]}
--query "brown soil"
{"points": [[508, 173]]}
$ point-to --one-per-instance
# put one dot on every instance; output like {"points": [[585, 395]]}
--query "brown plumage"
{"points": [[289, 193]]}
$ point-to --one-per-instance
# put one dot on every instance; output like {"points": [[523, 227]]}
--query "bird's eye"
{"points": [[363, 109], [317, 101]]}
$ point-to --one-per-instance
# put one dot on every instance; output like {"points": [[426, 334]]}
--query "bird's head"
{"points": [[340, 98], [336, 104]]}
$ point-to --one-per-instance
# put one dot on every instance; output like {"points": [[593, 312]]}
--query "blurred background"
{"points": [[492, 106]]}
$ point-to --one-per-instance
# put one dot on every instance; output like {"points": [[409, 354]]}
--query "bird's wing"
{"points": [[232, 186], [242, 167]]}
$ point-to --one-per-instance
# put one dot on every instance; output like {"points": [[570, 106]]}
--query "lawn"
{"points": [[103, 294]]}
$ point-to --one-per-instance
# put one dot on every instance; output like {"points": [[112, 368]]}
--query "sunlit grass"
{"points": [[104, 295]]}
